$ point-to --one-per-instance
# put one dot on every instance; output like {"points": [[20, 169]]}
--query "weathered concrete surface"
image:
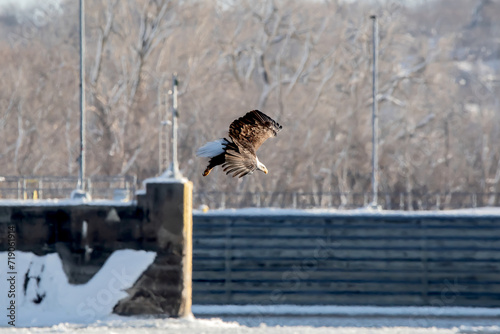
{"points": [[165, 287]]}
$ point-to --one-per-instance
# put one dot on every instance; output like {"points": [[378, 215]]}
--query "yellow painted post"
{"points": [[35, 195], [188, 249]]}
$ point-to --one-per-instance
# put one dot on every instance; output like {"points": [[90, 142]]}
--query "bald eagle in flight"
{"points": [[238, 154]]}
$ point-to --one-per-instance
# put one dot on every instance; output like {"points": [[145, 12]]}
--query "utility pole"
{"points": [[173, 171], [163, 132], [81, 174], [374, 203], [175, 116]]}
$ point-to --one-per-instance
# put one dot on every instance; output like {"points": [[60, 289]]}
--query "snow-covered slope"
{"points": [[44, 297]]}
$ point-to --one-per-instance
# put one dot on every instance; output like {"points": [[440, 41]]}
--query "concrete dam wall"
{"points": [[264, 256], [84, 235]]}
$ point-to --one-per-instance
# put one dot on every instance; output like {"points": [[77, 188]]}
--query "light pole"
{"points": [[173, 170], [81, 174], [79, 192], [163, 141], [374, 203], [175, 115]]}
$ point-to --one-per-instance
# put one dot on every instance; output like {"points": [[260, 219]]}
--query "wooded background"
{"points": [[307, 64]]}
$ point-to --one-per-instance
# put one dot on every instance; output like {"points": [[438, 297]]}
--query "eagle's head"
{"points": [[260, 166]]}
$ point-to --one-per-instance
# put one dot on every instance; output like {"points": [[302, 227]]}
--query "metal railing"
{"points": [[124, 188], [308, 200], [121, 188]]}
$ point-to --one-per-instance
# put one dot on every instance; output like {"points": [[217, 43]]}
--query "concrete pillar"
{"points": [[165, 287]]}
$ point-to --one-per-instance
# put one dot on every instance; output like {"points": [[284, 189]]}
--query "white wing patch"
{"points": [[212, 149]]}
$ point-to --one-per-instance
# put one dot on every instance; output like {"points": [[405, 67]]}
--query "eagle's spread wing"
{"points": [[251, 130], [239, 163]]}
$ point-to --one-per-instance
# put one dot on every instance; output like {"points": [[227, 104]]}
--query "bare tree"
{"points": [[305, 63]]}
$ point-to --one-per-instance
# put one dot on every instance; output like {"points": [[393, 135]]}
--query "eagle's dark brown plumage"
{"points": [[238, 155]]}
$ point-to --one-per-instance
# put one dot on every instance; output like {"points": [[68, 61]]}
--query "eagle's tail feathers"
{"points": [[212, 149]]}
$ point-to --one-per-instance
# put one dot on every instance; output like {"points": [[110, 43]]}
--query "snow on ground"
{"points": [[483, 211], [120, 325], [358, 319], [44, 297], [368, 323], [64, 202], [349, 311]]}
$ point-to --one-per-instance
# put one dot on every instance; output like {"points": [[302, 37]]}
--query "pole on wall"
{"points": [[163, 139], [374, 203], [80, 191], [81, 175], [173, 170], [175, 115]]}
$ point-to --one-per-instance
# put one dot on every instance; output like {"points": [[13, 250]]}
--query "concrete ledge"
{"points": [[351, 311]]}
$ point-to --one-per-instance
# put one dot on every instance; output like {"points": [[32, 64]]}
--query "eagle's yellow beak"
{"points": [[265, 170]]}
